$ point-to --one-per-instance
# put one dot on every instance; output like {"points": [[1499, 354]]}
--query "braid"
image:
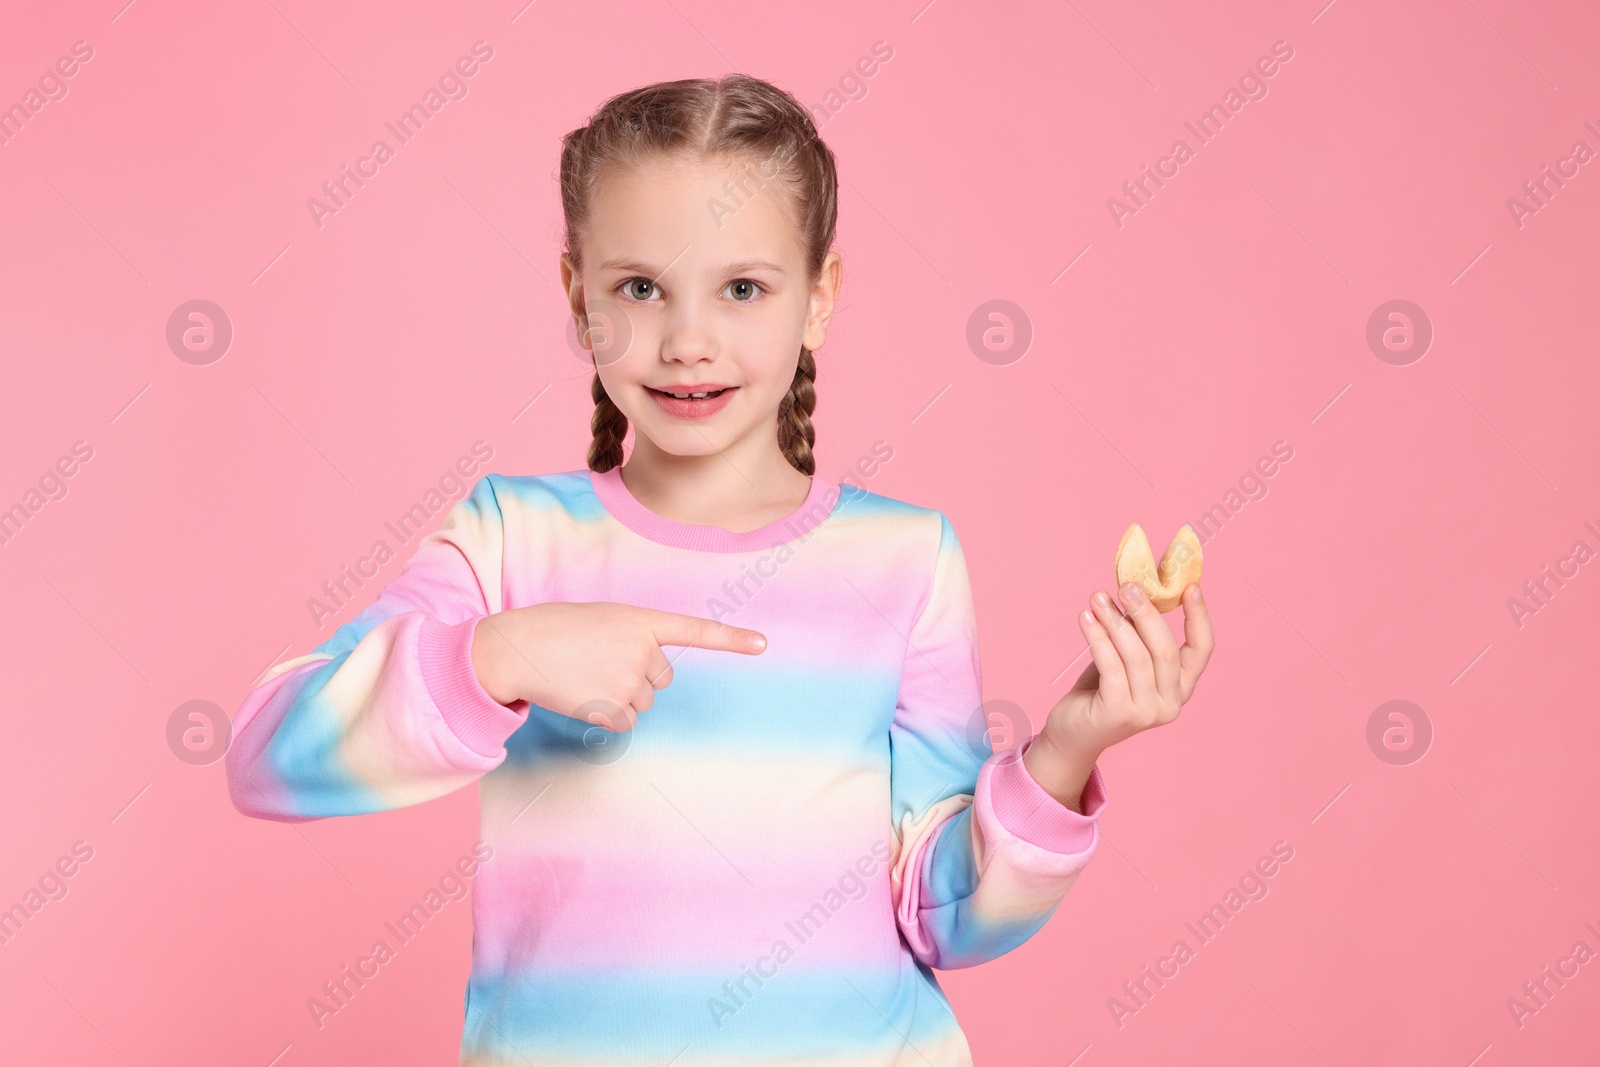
{"points": [[796, 435], [609, 426]]}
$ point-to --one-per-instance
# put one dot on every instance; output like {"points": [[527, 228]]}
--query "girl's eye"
{"points": [[639, 288]]}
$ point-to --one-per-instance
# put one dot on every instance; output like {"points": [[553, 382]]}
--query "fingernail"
{"points": [[758, 642], [1101, 598], [1132, 593]]}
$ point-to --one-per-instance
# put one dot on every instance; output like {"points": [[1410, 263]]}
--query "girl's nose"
{"points": [[686, 335]]}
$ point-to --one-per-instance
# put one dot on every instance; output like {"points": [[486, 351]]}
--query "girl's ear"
{"points": [[574, 287], [824, 298]]}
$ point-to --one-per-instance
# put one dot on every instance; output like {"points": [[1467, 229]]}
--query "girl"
{"points": [[756, 849]]}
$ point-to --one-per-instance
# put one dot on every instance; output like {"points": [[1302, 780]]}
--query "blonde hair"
{"points": [[736, 117]]}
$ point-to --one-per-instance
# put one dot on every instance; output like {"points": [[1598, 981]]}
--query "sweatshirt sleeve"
{"points": [[388, 711], [982, 854]]}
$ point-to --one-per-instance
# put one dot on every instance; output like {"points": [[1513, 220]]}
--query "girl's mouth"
{"points": [[692, 406]]}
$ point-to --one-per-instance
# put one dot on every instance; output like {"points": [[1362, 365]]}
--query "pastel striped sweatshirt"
{"points": [[769, 866]]}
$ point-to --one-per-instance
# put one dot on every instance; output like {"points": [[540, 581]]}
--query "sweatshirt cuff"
{"points": [[1027, 811], [444, 651]]}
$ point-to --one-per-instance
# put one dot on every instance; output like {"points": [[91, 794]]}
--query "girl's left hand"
{"points": [[1139, 678]]}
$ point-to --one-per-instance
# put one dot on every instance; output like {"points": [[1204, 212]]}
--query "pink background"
{"points": [[1226, 315]]}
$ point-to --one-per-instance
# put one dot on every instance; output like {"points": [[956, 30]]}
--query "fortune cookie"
{"points": [[1163, 584]]}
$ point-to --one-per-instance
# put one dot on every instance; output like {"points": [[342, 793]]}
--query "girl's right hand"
{"points": [[600, 662]]}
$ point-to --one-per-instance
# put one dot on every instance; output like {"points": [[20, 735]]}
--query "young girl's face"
{"points": [[691, 285]]}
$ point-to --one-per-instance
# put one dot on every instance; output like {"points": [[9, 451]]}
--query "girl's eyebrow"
{"points": [[628, 264], [650, 270], [752, 264]]}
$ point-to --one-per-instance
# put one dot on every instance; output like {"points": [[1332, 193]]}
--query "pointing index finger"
{"points": [[673, 628]]}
